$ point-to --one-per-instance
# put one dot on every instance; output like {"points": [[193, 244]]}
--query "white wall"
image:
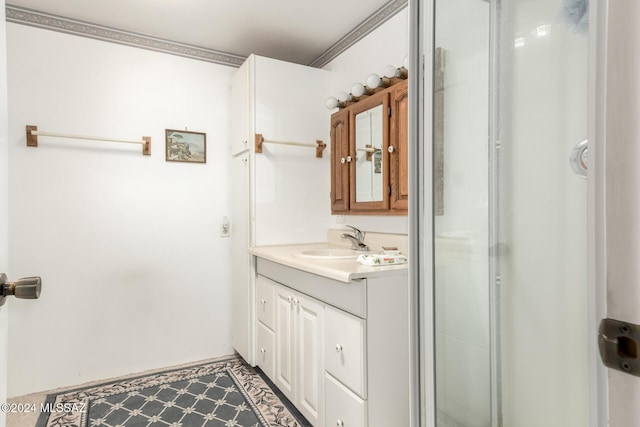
{"points": [[387, 44], [135, 275]]}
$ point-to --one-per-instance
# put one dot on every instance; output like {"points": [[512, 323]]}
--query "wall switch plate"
{"points": [[225, 227]]}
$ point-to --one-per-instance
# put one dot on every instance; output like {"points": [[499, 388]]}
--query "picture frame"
{"points": [[185, 146]]}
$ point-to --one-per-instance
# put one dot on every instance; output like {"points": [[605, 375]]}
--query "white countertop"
{"points": [[343, 270]]}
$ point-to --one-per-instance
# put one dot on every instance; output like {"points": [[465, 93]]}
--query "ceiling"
{"points": [[292, 30]]}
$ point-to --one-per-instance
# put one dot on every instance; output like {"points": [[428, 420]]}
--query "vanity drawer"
{"points": [[266, 344], [265, 301], [344, 352], [342, 407]]}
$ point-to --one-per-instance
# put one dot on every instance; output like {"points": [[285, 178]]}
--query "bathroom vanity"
{"points": [[333, 335]]}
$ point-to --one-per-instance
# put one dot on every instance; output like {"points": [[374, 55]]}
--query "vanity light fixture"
{"points": [[390, 72], [344, 97], [394, 73], [332, 103], [358, 90], [374, 81]]}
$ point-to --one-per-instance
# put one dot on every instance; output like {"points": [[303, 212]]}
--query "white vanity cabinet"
{"points": [[290, 350], [341, 348]]}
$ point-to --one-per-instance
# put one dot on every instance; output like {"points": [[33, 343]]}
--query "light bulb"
{"points": [[357, 89], [332, 103], [373, 81], [390, 71], [344, 97]]}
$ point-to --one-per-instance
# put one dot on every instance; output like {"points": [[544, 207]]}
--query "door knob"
{"points": [[25, 288]]}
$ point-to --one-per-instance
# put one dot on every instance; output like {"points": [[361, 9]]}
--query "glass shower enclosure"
{"points": [[509, 213]]}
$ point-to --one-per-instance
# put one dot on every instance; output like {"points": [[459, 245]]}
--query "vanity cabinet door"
{"points": [[285, 342], [299, 367], [340, 160], [310, 324], [398, 147]]}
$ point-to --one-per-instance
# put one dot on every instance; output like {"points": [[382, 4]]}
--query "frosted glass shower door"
{"points": [[461, 221], [510, 250]]}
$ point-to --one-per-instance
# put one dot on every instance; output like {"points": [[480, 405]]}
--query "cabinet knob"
{"points": [[343, 160], [349, 159], [244, 142], [263, 302], [263, 351], [338, 348], [290, 298], [296, 301], [340, 423], [391, 149]]}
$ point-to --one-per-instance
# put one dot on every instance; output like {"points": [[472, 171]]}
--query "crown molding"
{"points": [[376, 19], [34, 18], [48, 21]]}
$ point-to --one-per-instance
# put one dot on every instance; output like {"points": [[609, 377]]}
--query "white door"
{"points": [[4, 199], [616, 202]]}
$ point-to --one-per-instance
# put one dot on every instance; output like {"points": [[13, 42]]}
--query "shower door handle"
{"points": [[579, 160], [619, 343], [25, 288]]}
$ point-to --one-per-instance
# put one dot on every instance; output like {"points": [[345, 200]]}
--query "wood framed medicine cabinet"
{"points": [[369, 164]]}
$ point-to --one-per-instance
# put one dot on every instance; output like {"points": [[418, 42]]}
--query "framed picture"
{"points": [[184, 146]]}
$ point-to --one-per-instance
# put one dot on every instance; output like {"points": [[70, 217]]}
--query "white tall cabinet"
{"points": [[279, 196]]}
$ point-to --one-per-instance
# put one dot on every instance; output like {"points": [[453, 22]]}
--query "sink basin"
{"points": [[330, 253]]}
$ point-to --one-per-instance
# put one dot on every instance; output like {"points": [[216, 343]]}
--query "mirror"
{"points": [[368, 158]]}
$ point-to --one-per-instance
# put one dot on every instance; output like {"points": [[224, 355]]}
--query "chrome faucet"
{"points": [[357, 239]]}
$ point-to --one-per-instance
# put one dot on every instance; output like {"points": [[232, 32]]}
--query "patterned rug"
{"points": [[226, 393]]}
